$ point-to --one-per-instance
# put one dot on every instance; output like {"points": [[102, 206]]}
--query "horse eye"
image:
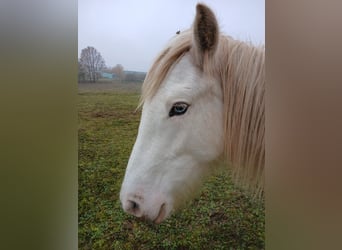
{"points": [[179, 108]]}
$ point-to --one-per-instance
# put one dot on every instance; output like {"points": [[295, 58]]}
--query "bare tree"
{"points": [[119, 71], [81, 73], [92, 63]]}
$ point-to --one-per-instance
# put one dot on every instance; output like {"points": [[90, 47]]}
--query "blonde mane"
{"points": [[239, 67]]}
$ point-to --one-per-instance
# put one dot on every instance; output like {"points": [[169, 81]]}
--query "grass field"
{"points": [[221, 217]]}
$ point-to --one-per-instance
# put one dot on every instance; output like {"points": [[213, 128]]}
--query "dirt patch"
{"points": [[103, 114]]}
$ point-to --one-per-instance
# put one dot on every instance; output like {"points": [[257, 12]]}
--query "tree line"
{"points": [[91, 66]]}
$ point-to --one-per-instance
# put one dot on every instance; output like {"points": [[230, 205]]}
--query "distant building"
{"points": [[129, 76], [108, 75]]}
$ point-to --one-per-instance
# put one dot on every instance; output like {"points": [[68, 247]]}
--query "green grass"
{"points": [[221, 217]]}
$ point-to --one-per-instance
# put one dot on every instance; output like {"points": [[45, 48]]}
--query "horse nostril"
{"points": [[133, 207]]}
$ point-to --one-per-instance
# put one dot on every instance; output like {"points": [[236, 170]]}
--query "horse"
{"points": [[202, 105]]}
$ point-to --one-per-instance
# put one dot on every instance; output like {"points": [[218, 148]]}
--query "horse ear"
{"points": [[205, 33]]}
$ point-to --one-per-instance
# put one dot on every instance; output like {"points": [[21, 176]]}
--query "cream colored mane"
{"points": [[239, 67]]}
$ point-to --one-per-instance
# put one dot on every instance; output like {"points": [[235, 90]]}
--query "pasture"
{"points": [[221, 217]]}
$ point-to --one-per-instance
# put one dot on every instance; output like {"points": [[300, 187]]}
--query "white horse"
{"points": [[203, 103]]}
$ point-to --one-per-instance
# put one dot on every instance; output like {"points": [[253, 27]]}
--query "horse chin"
{"points": [[161, 215]]}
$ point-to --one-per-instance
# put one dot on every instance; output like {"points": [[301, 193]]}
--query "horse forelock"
{"points": [[178, 46], [239, 67]]}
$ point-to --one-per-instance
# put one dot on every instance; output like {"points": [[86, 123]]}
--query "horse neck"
{"points": [[243, 85]]}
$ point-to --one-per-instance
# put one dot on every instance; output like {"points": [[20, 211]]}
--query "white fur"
{"points": [[171, 154]]}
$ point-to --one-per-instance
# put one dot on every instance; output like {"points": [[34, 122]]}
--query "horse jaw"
{"points": [[172, 154]]}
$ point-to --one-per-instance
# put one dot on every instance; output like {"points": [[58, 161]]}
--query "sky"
{"points": [[133, 32]]}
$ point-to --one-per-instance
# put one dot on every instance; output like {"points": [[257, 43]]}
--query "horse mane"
{"points": [[239, 67]]}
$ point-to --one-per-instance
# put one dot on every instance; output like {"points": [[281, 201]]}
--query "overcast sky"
{"points": [[132, 32]]}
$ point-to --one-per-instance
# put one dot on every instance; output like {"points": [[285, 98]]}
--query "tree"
{"points": [[92, 63], [81, 73], [118, 70]]}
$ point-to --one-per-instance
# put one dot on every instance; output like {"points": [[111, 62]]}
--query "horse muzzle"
{"points": [[154, 208]]}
